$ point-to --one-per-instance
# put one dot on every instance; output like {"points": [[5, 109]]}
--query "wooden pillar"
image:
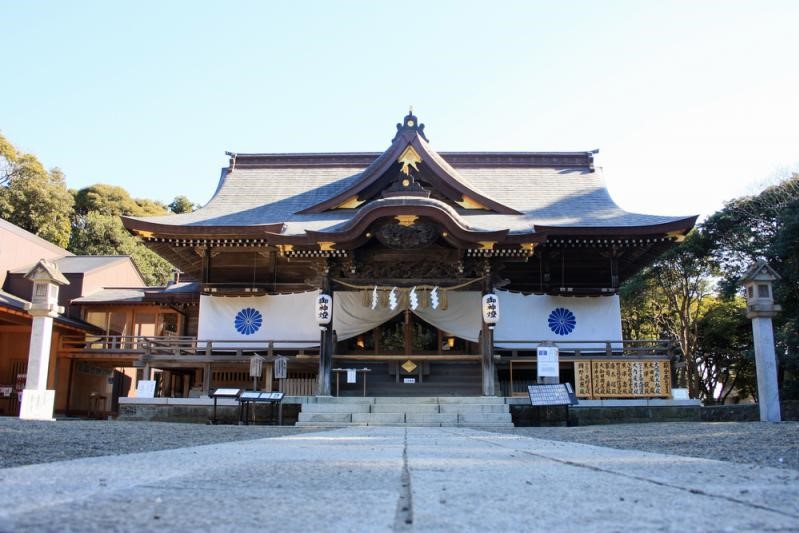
{"points": [[166, 383], [206, 270], [487, 347], [268, 376], [325, 345], [207, 379], [69, 385]]}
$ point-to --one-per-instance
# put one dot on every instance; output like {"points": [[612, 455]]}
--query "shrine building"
{"points": [[404, 244]]}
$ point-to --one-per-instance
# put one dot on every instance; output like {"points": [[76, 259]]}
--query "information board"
{"points": [[547, 362], [257, 396], [281, 367], [226, 393], [145, 388], [559, 394]]}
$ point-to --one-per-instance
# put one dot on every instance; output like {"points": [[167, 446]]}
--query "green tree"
{"points": [[8, 160], [103, 234], [114, 200], [149, 207], [724, 347], [32, 197], [669, 298], [97, 228], [765, 226], [181, 204]]}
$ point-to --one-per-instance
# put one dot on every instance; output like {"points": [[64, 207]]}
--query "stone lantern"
{"points": [[760, 309], [37, 401]]}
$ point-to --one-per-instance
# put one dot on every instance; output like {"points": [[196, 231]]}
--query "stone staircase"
{"points": [[465, 411]]}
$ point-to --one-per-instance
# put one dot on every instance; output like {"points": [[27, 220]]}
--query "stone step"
{"points": [[408, 400], [336, 407], [324, 417], [417, 418], [405, 408], [327, 400], [494, 400], [326, 424], [373, 419], [430, 411], [491, 418], [507, 425], [473, 408], [402, 408], [498, 425]]}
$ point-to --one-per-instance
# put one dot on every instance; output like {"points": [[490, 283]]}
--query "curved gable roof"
{"points": [[411, 133], [276, 196]]}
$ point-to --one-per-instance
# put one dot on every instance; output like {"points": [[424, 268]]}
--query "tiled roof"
{"points": [[564, 197], [78, 264], [12, 228], [299, 193], [138, 294], [14, 302], [9, 300], [112, 295]]}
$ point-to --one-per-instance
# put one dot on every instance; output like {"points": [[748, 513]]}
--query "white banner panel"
{"points": [[557, 318], [292, 317], [286, 317]]}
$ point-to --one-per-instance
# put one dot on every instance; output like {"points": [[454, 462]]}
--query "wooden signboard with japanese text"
{"points": [[597, 379]]}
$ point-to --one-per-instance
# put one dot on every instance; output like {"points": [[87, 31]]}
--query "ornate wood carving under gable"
{"points": [[426, 269], [403, 235]]}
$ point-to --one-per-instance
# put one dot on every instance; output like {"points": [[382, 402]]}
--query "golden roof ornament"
{"points": [[410, 123]]}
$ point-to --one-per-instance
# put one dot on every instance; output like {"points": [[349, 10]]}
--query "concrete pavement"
{"points": [[397, 479]]}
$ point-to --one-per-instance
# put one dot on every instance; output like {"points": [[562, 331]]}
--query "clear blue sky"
{"points": [[690, 103]]}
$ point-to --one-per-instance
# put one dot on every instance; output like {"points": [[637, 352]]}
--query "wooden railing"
{"points": [[177, 346], [619, 348]]}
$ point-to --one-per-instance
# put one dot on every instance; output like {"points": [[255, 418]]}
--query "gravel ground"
{"points": [[759, 443], [28, 442]]}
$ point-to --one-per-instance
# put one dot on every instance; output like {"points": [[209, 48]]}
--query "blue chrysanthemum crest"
{"points": [[562, 321], [248, 321]]}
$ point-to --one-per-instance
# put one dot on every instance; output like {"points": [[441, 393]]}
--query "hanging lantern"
{"points": [[490, 309], [324, 310]]}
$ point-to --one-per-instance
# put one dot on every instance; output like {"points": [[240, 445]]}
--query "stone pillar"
{"points": [[768, 394], [37, 401], [760, 309]]}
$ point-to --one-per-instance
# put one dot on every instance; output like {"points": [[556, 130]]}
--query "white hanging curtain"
{"points": [[351, 317], [463, 316], [557, 318], [259, 318]]}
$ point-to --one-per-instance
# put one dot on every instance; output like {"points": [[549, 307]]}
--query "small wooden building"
{"points": [[405, 242], [73, 381]]}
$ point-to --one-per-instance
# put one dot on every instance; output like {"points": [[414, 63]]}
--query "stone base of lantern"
{"points": [[37, 405]]}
